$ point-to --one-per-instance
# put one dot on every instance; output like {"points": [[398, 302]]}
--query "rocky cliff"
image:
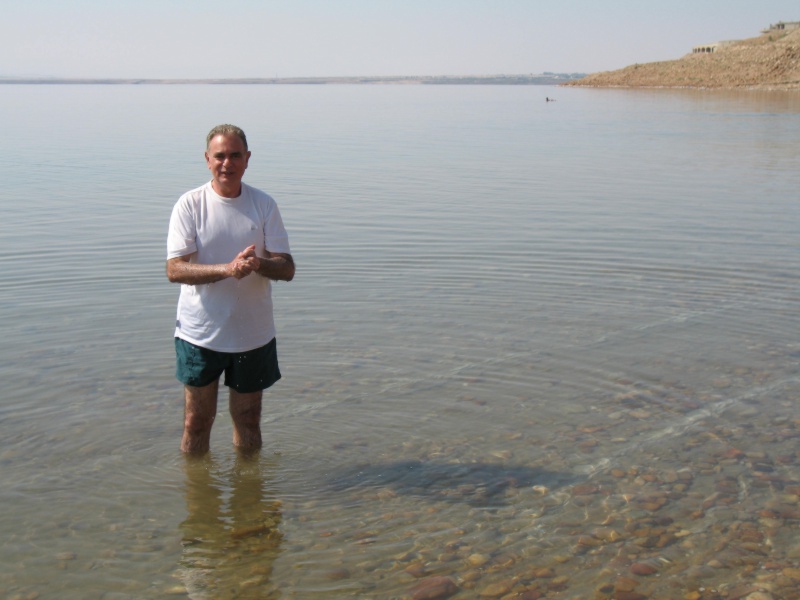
{"points": [[769, 61]]}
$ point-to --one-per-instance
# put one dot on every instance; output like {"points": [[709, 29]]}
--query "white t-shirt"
{"points": [[232, 315]]}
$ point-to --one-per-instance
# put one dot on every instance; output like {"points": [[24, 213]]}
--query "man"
{"points": [[226, 242]]}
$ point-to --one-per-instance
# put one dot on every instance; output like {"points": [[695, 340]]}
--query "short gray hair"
{"points": [[226, 129]]}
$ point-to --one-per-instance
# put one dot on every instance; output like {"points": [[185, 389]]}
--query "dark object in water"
{"points": [[479, 484]]}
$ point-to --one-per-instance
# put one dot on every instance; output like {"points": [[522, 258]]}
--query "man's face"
{"points": [[227, 160]]}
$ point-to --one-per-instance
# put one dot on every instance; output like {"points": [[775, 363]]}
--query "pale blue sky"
{"points": [[299, 38]]}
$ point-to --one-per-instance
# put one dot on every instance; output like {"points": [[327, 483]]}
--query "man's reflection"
{"points": [[231, 535]]}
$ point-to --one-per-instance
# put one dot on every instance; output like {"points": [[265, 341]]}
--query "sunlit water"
{"points": [[530, 346]]}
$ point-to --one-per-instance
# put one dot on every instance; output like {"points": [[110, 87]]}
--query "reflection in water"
{"points": [[231, 535]]}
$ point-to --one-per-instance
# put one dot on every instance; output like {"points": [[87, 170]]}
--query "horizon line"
{"points": [[351, 79]]}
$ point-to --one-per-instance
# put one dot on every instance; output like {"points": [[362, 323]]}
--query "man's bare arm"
{"points": [[180, 270], [278, 267]]}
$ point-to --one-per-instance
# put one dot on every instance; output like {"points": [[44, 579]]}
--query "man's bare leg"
{"points": [[200, 408], [246, 414]]}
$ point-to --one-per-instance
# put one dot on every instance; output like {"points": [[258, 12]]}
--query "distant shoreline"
{"points": [[542, 79], [768, 62]]}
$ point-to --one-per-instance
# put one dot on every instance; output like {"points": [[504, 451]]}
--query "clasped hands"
{"points": [[245, 263]]}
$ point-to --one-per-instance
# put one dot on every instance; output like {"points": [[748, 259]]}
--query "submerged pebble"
{"points": [[434, 588]]}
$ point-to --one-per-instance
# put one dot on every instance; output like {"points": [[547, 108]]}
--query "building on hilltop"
{"points": [[782, 26], [704, 48]]}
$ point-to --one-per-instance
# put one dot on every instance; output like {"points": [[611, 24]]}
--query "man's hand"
{"points": [[245, 263], [275, 266]]}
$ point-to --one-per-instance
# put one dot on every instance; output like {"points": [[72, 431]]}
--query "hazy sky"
{"points": [[297, 38]]}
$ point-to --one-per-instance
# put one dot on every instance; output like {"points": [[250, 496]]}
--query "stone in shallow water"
{"points": [[629, 596], [471, 576], [496, 590], [640, 568], [434, 588], [607, 534], [585, 489], [477, 559], [625, 584], [338, 574], [416, 570], [542, 573], [792, 573], [66, 556]]}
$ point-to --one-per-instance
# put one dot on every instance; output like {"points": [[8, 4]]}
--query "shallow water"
{"points": [[530, 347]]}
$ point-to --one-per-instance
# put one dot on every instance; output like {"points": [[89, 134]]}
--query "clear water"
{"points": [[516, 325]]}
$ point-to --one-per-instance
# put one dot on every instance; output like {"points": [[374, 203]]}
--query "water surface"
{"points": [[529, 345]]}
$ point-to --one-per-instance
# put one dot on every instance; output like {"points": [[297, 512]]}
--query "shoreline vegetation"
{"points": [[546, 78], [770, 61]]}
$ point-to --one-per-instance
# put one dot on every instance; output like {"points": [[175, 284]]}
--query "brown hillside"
{"points": [[770, 61]]}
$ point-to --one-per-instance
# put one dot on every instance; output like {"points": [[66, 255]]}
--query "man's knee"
{"points": [[197, 421], [246, 415], [245, 409]]}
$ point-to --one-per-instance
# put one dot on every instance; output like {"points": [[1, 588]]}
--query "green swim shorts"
{"points": [[245, 372]]}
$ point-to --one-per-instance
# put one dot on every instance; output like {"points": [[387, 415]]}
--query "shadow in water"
{"points": [[231, 534], [478, 484]]}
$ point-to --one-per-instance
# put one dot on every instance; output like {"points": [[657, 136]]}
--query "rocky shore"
{"points": [[769, 61]]}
